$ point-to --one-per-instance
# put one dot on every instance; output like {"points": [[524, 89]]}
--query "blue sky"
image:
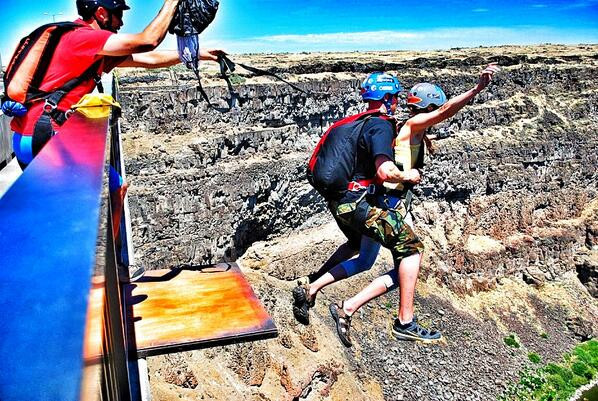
{"points": [[247, 26]]}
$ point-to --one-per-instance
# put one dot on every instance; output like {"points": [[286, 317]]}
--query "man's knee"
{"points": [[357, 265], [352, 245]]}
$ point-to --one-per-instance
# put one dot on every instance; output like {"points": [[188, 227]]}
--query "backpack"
{"points": [[332, 163], [25, 73], [30, 61]]}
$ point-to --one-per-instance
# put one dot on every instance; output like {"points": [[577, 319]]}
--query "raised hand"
{"points": [[486, 76]]}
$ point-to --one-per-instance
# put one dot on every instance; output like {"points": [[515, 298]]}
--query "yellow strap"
{"points": [[95, 105]]}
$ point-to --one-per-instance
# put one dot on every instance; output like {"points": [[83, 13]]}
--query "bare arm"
{"points": [[124, 44], [421, 121], [165, 58], [153, 59], [387, 171]]}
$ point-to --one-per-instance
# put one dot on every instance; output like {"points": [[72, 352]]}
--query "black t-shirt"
{"points": [[376, 139]]}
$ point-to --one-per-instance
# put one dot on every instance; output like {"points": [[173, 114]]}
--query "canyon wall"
{"points": [[507, 209]]}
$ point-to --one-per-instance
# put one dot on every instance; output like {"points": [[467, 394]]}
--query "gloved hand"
{"points": [[13, 109]]}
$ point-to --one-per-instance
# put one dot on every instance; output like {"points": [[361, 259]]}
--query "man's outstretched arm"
{"points": [[165, 58]]}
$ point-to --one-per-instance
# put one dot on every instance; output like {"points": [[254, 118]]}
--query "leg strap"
{"points": [[42, 133]]}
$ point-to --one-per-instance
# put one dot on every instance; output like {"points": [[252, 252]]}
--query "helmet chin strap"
{"points": [[387, 103]]}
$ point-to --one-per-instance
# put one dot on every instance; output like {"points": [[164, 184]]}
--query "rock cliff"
{"points": [[507, 209]]}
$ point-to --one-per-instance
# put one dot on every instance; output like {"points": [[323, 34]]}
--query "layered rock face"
{"points": [[507, 210]]}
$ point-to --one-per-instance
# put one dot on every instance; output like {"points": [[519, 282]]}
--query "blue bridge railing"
{"points": [[61, 331]]}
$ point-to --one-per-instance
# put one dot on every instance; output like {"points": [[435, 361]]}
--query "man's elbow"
{"points": [[154, 42], [149, 43], [384, 167], [144, 42]]}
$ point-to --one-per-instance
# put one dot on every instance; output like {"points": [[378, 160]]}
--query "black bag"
{"points": [[193, 16], [332, 163]]}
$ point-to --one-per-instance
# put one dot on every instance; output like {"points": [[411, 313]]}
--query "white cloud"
{"points": [[480, 10], [342, 37], [539, 6], [444, 38]]}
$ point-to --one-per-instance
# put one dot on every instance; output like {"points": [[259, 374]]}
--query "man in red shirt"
{"points": [[96, 40]]}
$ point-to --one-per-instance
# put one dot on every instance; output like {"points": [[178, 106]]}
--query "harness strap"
{"points": [[204, 96], [201, 90], [43, 130], [53, 98], [358, 185], [407, 201], [226, 64]]}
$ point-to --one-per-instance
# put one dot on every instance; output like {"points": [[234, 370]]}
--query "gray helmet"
{"points": [[88, 6], [424, 94]]}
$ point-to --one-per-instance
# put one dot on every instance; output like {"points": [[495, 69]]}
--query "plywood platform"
{"points": [[189, 308]]}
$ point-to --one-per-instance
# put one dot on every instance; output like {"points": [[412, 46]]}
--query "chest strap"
{"points": [[43, 130]]}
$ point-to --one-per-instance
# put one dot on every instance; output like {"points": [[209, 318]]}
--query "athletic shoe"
{"points": [[412, 331]]}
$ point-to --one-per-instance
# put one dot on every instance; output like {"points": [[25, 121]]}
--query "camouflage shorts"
{"points": [[384, 226]]}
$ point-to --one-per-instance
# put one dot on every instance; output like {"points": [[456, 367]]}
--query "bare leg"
{"points": [[320, 283], [408, 270]]}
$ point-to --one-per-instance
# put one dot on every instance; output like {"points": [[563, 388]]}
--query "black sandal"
{"points": [[343, 323], [302, 303]]}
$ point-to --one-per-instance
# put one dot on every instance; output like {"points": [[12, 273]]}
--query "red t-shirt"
{"points": [[75, 53]]}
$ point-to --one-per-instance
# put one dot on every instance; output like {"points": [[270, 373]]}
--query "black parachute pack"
{"points": [[193, 16], [190, 19], [333, 161]]}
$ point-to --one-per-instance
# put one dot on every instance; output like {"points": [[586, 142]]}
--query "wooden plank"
{"points": [[180, 309]]}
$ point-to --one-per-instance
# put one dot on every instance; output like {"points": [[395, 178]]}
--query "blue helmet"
{"points": [[378, 84], [424, 94]]}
